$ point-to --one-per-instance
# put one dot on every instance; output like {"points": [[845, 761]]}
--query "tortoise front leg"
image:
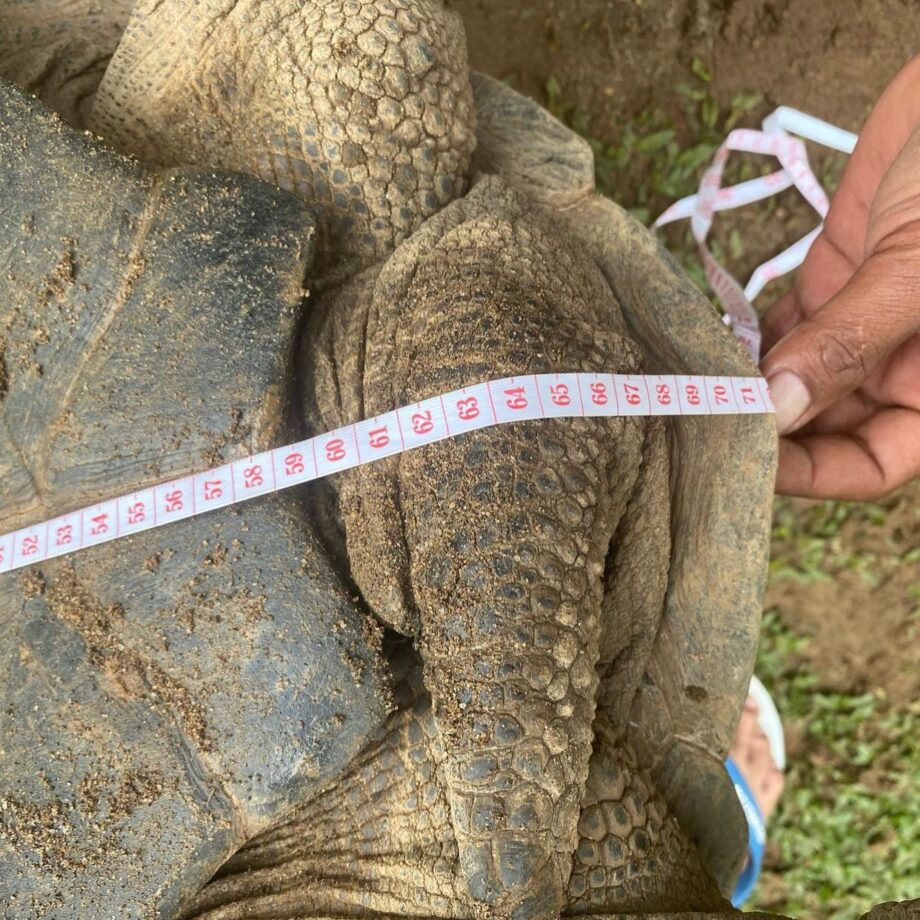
{"points": [[489, 548], [362, 108]]}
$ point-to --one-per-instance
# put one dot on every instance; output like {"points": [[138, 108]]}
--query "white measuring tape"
{"points": [[496, 402], [775, 139]]}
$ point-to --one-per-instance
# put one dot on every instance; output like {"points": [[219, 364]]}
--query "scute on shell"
{"points": [[166, 696]]}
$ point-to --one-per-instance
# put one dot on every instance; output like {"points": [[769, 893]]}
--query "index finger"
{"points": [[881, 455]]}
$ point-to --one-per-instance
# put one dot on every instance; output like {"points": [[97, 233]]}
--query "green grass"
{"points": [[846, 832], [818, 541], [659, 156], [845, 835]]}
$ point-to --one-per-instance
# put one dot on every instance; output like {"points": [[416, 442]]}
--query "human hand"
{"points": [[844, 345]]}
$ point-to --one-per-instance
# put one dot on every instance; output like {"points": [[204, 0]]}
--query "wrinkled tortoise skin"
{"points": [[362, 107], [60, 49]]}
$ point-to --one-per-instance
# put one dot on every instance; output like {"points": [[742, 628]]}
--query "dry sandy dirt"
{"points": [[617, 57]]}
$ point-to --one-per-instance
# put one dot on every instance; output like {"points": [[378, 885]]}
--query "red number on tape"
{"points": [[136, 513], [100, 525], [335, 450], [213, 489], [379, 438], [468, 408], [252, 477], [599, 394], [632, 394], [63, 536], [174, 501], [663, 392], [516, 399], [559, 393], [693, 394], [422, 423], [29, 546], [720, 394], [293, 464], [747, 396]]}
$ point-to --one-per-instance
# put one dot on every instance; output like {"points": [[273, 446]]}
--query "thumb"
{"points": [[832, 353]]}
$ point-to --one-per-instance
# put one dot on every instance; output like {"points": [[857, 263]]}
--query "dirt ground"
{"points": [[617, 57], [859, 603]]}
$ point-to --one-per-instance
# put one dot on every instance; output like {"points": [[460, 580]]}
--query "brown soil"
{"points": [[616, 58], [862, 617]]}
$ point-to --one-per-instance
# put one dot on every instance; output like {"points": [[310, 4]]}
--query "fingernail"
{"points": [[791, 399]]}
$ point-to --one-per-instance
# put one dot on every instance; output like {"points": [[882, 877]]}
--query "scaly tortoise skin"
{"points": [[227, 680]]}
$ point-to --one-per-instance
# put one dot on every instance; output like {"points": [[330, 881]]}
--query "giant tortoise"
{"points": [[496, 676]]}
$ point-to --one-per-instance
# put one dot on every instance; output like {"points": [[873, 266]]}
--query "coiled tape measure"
{"points": [[774, 139], [495, 402]]}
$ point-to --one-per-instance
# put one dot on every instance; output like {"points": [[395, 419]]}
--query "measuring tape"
{"points": [[775, 139], [495, 402], [484, 405]]}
